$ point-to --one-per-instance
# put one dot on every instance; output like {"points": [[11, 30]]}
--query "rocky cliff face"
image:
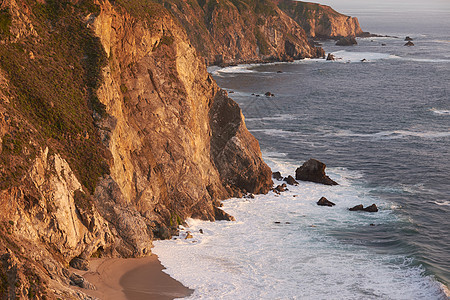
{"points": [[112, 133], [229, 32], [320, 21]]}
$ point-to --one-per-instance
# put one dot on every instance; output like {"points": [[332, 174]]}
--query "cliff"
{"points": [[112, 133], [242, 31], [321, 21]]}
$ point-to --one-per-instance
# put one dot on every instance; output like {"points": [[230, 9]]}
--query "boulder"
{"points": [[346, 41], [79, 264], [408, 39], [78, 280], [164, 233], [331, 57], [269, 94], [219, 214], [357, 208], [372, 208], [277, 176], [280, 188], [409, 44], [325, 202], [188, 235], [290, 180], [314, 171], [383, 44]]}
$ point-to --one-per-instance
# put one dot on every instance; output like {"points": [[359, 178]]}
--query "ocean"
{"points": [[382, 126]]}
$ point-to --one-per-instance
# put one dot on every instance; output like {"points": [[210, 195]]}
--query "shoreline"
{"points": [[131, 279]]}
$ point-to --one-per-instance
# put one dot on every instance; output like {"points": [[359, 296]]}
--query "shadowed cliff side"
{"points": [[112, 133], [241, 31], [321, 21]]}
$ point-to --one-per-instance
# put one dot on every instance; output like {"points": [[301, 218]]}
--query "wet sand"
{"points": [[132, 279]]}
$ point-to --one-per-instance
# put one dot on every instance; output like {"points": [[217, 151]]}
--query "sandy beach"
{"points": [[132, 279]]}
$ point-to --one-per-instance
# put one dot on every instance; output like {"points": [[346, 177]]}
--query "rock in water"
{"points": [[409, 44], [325, 202], [314, 170], [408, 39], [357, 208], [290, 180], [346, 41], [372, 208], [220, 214], [277, 176], [331, 57]]}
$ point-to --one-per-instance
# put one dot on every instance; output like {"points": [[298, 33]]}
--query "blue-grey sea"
{"points": [[379, 117]]}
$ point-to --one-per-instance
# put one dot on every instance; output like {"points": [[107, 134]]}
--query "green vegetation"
{"points": [[5, 22], [55, 92]]}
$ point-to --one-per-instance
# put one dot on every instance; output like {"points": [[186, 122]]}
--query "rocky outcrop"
{"points": [[135, 138], [313, 170], [346, 41], [321, 21], [229, 32], [360, 207], [325, 202]]}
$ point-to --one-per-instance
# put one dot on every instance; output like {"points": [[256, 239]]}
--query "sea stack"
{"points": [[314, 171]]}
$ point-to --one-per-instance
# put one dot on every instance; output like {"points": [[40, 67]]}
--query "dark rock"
{"points": [[79, 264], [279, 71], [409, 44], [277, 176], [408, 39], [188, 235], [280, 188], [269, 94], [219, 214], [383, 44], [325, 202], [371, 224], [372, 208], [277, 222], [164, 233], [331, 57], [346, 41], [249, 196], [313, 170], [364, 60], [200, 230], [257, 95], [78, 280], [290, 180], [357, 208]]}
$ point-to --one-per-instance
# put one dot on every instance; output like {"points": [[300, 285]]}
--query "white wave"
{"points": [[347, 56], [282, 117], [280, 248], [239, 69], [442, 203], [444, 112], [395, 134]]}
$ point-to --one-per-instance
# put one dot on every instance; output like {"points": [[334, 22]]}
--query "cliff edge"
{"points": [[321, 21]]}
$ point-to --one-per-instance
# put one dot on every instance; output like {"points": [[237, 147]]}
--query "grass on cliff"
{"points": [[53, 83]]}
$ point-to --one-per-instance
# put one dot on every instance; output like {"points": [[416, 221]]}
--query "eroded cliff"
{"points": [[242, 31], [112, 133], [321, 21]]}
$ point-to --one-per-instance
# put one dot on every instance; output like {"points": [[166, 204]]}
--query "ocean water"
{"points": [[382, 126]]}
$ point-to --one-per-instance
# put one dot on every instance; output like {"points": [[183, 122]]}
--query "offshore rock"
{"points": [[290, 180], [408, 39], [313, 170], [220, 214], [359, 207], [325, 202], [409, 44], [277, 176], [331, 57], [346, 41], [371, 208]]}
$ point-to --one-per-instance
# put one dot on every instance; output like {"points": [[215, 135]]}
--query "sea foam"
{"points": [[280, 247]]}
